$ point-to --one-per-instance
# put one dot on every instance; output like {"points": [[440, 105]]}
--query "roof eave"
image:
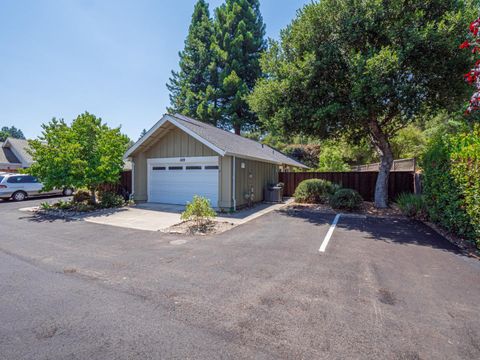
{"points": [[174, 122]]}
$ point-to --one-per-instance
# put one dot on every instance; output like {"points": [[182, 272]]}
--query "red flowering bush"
{"points": [[472, 77]]}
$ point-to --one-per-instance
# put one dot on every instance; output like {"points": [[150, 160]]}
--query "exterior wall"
{"points": [[174, 144], [225, 183], [257, 175]]}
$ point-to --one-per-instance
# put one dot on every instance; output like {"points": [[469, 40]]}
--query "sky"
{"points": [[112, 58]]}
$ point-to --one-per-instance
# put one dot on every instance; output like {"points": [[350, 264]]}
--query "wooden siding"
{"points": [[262, 175], [175, 143]]}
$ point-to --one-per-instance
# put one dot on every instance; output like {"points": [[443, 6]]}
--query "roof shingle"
{"points": [[235, 144]]}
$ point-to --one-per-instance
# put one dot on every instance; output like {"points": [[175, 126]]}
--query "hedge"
{"points": [[451, 183]]}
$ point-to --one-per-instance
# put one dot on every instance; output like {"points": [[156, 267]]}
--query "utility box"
{"points": [[274, 194]]}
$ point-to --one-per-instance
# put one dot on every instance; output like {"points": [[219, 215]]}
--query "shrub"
{"points": [[451, 183], [199, 210], [314, 191], [412, 205], [110, 199], [346, 199], [81, 196], [45, 206], [63, 205]]}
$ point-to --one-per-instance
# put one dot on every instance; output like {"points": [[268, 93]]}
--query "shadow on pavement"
{"points": [[391, 230]]}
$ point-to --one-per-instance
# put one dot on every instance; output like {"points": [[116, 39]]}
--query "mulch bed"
{"points": [[190, 228], [367, 209]]}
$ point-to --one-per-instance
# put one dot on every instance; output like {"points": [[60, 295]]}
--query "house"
{"points": [[14, 155], [180, 157]]}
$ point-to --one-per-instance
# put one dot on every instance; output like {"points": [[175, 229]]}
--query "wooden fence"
{"points": [[124, 185], [362, 181]]}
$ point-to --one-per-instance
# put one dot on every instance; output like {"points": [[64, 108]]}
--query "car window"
{"points": [[29, 179], [1, 178], [14, 179]]}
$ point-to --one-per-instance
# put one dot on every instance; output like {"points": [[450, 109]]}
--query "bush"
{"points": [[451, 183], [199, 210], [346, 199], [81, 196], [314, 191], [412, 205], [109, 199]]}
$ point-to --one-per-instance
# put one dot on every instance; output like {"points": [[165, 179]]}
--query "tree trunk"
{"points": [[384, 149], [93, 196], [237, 129]]}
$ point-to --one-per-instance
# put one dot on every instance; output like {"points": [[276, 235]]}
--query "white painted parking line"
{"points": [[329, 234]]}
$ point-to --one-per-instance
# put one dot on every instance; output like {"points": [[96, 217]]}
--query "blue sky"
{"points": [[109, 57]]}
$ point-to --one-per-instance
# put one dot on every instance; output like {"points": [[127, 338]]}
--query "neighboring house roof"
{"points": [[19, 147], [221, 141], [7, 156]]}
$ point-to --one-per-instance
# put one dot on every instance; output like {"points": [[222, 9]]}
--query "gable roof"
{"points": [[19, 149], [221, 141]]}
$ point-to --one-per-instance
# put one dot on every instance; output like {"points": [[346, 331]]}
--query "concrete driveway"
{"points": [[383, 289], [158, 217]]}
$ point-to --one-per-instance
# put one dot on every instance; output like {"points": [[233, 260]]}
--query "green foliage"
{"points": [[412, 205], [314, 191], [239, 41], [86, 154], [346, 199], [465, 164], [45, 205], [109, 199], [193, 89], [364, 69], [409, 142], [199, 210], [451, 182], [332, 158], [12, 132], [63, 205]]}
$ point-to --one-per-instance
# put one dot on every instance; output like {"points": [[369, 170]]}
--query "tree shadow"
{"points": [[393, 230]]}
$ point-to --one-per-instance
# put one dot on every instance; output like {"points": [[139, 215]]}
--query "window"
{"points": [[29, 179], [1, 178], [175, 168], [156, 168], [15, 179], [194, 168], [211, 167]]}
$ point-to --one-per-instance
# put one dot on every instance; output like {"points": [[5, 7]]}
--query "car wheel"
{"points": [[67, 192], [19, 196]]}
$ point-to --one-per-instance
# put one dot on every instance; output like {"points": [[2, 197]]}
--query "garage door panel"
{"points": [[179, 186]]}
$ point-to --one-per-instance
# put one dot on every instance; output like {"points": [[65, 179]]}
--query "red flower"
{"points": [[464, 45]]}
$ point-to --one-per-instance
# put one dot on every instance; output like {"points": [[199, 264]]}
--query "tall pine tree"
{"points": [[192, 89], [239, 42]]}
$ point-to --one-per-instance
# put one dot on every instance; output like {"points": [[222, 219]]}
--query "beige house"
{"points": [[180, 157]]}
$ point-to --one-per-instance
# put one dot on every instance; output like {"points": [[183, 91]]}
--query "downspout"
{"points": [[132, 195], [234, 181]]}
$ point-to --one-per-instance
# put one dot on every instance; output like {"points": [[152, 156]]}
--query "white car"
{"points": [[21, 186]]}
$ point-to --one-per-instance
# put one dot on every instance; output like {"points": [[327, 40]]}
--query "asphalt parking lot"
{"points": [[383, 288]]}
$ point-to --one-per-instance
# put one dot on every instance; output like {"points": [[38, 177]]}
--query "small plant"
{"points": [[63, 205], [45, 206], [199, 210], [412, 205], [109, 199], [81, 196], [314, 191], [346, 199]]}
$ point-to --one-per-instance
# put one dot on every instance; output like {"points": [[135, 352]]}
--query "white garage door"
{"points": [[176, 180]]}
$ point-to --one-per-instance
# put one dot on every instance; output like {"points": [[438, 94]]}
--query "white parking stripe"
{"points": [[329, 234]]}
